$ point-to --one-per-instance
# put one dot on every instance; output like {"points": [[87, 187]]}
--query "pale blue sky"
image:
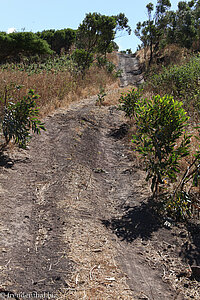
{"points": [[37, 15]]}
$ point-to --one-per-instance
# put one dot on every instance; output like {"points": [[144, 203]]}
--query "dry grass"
{"points": [[113, 93], [97, 274], [55, 89], [170, 55]]}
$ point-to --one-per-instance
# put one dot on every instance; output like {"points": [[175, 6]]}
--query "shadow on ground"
{"points": [[140, 221], [120, 132], [5, 160], [190, 250]]}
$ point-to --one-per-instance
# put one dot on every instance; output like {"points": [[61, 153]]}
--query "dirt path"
{"points": [[131, 71], [59, 200], [75, 219]]}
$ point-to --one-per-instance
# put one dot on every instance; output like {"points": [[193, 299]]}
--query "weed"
{"points": [[128, 101], [101, 96]]}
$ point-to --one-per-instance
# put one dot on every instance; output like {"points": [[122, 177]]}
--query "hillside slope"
{"points": [[75, 217]]}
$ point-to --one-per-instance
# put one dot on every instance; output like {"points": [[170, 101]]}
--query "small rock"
{"points": [[167, 224], [144, 243], [110, 278]]}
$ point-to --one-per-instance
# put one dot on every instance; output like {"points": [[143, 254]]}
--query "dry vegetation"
{"points": [[56, 89], [170, 55]]}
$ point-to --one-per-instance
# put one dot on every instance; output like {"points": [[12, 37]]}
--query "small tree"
{"points": [[21, 117], [160, 124], [95, 35], [83, 59], [153, 31]]}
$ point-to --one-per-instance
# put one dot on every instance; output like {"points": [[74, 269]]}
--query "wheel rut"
{"points": [[73, 214]]}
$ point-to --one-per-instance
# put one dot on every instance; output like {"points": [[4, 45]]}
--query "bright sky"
{"points": [[37, 15]]}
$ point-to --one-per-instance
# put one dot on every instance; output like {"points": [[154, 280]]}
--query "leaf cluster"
{"points": [[180, 81], [128, 102], [21, 117], [160, 122], [26, 43]]}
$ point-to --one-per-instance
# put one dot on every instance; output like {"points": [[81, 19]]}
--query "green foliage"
{"points": [[82, 58], [101, 96], [95, 36], [161, 140], [26, 43], [178, 206], [58, 39], [180, 81], [97, 32], [160, 123], [110, 67], [184, 25], [38, 64], [128, 101], [7, 45], [153, 31], [21, 117], [165, 26]]}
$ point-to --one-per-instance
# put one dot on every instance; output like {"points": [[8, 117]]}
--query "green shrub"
{"points": [[129, 100], [178, 206], [110, 67], [27, 43], [21, 117], [183, 82], [82, 58], [160, 124], [58, 39]]}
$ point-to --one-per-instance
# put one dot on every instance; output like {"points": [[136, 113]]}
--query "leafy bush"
{"points": [[110, 67], [162, 142], [183, 82], [21, 117], [26, 43], [160, 124], [82, 58], [58, 39], [128, 101], [178, 206]]}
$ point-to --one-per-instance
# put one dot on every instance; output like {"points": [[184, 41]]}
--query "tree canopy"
{"points": [[165, 26], [26, 43], [95, 36], [58, 39], [97, 32]]}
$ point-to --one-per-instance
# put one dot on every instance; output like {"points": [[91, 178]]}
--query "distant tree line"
{"points": [[165, 26], [28, 43], [94, 37], [58, 39]]}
